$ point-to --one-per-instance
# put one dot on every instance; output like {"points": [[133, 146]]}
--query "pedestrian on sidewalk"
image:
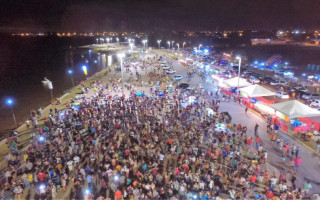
{"points": [[246, 110]]}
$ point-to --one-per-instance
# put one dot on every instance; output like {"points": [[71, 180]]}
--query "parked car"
{"points": [[315, 103], [254, 79], [278, 82], [282, 94], [171, 71], [302, 89], [183, 85], [267, 80], [308, 96], [177, 77], [246, 72], [166, 67]]}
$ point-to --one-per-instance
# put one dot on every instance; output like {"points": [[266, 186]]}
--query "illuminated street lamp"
{"points": [[239, 58], [178, 46], [200, 46], [117, 40], [169, 44], [172, 44], [121, 55], [159, 41], [144, 43], [10, 103], [85, 70], [97, 40], [131, 46], [108, 39], [70, 72], [183, 45]]}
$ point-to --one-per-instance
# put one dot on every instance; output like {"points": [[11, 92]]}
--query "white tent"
{"points": [[256, 91], [294, 109], [233, 82]]}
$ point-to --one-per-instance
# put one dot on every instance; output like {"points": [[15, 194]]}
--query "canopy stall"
{"points": [[233, 82], [295, 109], [256, 91]]}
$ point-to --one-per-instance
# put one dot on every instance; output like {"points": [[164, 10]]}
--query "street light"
{"points": [[172, 44], [70, 72], [169, 44], [239, 58], [178, 46], [117, 39], [85, 70], [159, 41], [121, 55], [97, 40], [131, 46], [108, 39], [144, 43], [10, 103], [200, 46], [183, 45]]}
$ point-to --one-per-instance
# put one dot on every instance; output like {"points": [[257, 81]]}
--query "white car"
{"points": [[315, 103], [171, 71], [177, 77], [282, 94], [166, 67], [162, 62], [254, 80], [278, 82], [308, 96]]}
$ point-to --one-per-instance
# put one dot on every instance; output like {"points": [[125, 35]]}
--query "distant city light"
{"points": [[297, 32], [70, 71]]}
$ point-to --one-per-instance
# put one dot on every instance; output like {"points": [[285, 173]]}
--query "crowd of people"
{"points": [[145, 145]]}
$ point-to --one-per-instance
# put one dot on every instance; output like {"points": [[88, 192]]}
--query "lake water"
{"points": [[24, 62]]}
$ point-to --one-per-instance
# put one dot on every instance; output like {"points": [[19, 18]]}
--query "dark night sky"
{"points": [[136, 15]]}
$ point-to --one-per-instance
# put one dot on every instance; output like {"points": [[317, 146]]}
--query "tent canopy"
{"points": [[294, 109], [233, 82], [256, 91]]}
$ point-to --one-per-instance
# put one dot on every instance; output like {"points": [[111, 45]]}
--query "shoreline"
{"points": [[24, 134]]}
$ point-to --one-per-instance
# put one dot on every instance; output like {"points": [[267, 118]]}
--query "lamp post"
{"points": [[169, 44], [131, 46], [200, 47], [172, 44], [70, 72], [144, 43], [159, 41], [121, 55], [239, 58], [10, 103], [108, 39], [97, 40], [183, 45], [178, 46], [118, 40]]}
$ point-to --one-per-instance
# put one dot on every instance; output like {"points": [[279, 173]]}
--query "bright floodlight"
{"points": [[238, 57], [9, 102], [70, 71]]}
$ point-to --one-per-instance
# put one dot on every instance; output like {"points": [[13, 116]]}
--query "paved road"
{"points": [[310, 166]]}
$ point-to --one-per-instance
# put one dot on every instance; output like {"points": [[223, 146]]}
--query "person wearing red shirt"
{"points": [[118, 194], [257, 142], [41, 176], [250, 142], [253, 181], [297, 162]]}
